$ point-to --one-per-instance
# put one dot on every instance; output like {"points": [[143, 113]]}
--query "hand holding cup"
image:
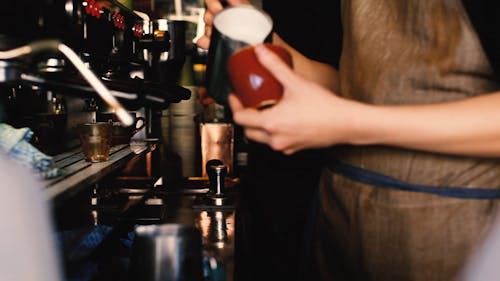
{"points": [[252, 83]]}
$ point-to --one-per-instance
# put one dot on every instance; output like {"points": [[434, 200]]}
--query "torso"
{"points": [[391, 58]]}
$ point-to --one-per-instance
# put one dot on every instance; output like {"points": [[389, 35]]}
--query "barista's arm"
{"points": [[321, 119], [321, 73]]}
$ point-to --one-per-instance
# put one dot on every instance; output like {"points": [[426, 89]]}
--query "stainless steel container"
{"points": [[167, 252]]}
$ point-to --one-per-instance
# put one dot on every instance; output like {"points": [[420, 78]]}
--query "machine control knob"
{"points": [[220, 174], [216, 172]]}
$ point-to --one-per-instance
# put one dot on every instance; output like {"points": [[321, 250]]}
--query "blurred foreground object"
{"points": [[28, 248]]}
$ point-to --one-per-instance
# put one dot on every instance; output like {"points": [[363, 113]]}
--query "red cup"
{"points": [[252, 83]]}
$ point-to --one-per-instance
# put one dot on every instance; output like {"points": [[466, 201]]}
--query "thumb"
{"points": [[278, 68]]}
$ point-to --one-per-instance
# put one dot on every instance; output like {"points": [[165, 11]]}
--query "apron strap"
{"points": [[381, 180]]}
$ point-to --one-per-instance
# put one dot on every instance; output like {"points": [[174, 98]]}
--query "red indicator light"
{"points": [[92, 8], [119, 21], [137, 29]]}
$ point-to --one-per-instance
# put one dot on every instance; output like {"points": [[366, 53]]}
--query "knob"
{"points": [[216, 172], [220, 174], [211, 173]]}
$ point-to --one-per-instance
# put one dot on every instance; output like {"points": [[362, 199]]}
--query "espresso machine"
{"points": [[46, 92], [67, 62]]}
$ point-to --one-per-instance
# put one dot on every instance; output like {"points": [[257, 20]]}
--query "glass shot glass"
{"points": [[95, 139]]}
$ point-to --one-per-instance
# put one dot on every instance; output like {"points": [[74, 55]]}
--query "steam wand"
{"points": [[95, 83]]}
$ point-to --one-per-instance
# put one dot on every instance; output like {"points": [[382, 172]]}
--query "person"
{"points": [[411, 183], [276, 190]]}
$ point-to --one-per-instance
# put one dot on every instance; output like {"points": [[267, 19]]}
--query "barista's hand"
{"points": [[212, 7], [308, 115]]}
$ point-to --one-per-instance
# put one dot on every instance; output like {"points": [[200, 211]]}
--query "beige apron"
{"points": [[405, 52]]}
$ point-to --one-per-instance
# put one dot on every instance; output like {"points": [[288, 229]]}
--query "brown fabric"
{"points": [[394, 53], [379, 234]]}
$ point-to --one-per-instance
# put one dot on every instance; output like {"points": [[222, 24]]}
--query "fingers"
{"points": [[234, 103], [239, 116], [257, 135], [273, 140], [274, 64], [203, 42], [289, 151], [238, 2], [252, 120], [208, 18], [242, 116], [247, 117], [213, 6]]}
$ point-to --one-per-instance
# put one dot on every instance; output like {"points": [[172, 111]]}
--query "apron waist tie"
{"points": [[381, 180]]}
